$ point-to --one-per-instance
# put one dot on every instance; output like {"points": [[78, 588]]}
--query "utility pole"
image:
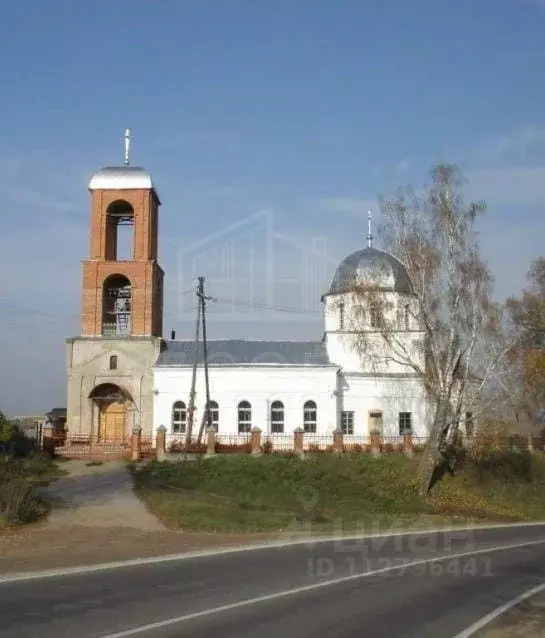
{"points": [[191, 407], [206, 417]]}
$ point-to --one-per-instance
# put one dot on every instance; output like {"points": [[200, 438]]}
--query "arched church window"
{"points": [[310, 413], [244, 417], [113, 362], [341, 316], [116, 306], [179, 417], [119, 231], [277, 417]]}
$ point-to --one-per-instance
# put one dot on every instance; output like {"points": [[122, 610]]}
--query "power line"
{"points": [[265, 306], [17, 311]]}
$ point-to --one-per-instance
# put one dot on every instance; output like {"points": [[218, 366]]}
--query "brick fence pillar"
{"points": [[338, 441], [136, 443], [210, 441], [161, 443], [298, 439], [255, 440], [376, 440], [408, 444]]}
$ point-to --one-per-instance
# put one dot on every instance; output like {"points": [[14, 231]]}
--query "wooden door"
{"points": [[375, 421], [112, 421]]}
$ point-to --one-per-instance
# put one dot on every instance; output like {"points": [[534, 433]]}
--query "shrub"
{"points": [[509, 466], [267, 446], [12, 440], [22, 468], [314, 448], [354, 448], [233, 448], [193, 447], [196, 448], [19, 502]]}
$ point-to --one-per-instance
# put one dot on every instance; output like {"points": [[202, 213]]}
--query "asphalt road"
{"points": [[345, 589]]}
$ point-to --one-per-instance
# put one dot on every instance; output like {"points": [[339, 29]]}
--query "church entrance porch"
{"points": [[111, 421], [113, 417], [113, 413]]}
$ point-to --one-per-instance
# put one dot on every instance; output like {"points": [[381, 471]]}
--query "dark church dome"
{"points": [[379, 268]]}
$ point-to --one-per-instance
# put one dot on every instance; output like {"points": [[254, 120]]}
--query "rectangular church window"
{"points": [[347, 422], [405, 423]]}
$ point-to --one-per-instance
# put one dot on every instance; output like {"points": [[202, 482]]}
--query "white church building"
{"points": [[123, 375], [318, 386]]}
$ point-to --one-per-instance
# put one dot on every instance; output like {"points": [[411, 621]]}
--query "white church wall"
{"points": [[260, 385], [345, 345], [390, 396], [371, 354]]}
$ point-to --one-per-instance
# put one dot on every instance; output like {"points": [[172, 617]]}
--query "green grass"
{"points": [[19, 479], [240, 493]]}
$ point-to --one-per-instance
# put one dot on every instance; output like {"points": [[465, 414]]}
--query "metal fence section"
{"points": [[147, 447], [277, 443], [176, 442], [355, 444], [137, 446], [82, 446], [233, 443], [316, 443]]}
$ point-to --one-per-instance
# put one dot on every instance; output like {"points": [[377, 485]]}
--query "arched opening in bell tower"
{"points": [[120, 231], [116, 306]]}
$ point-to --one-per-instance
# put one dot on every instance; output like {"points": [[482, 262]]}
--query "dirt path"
{"points": [[98, 496], [97, 518]]}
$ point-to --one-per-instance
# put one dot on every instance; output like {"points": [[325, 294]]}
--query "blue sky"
{"points": [[286, 116]]}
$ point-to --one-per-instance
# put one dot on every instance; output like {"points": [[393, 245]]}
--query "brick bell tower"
{"points": [[110, 381]]}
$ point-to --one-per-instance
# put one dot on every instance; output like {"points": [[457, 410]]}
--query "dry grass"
{"points": [[20, 502]]}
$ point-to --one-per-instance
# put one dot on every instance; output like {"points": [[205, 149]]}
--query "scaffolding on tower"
{"points": [[117, 308]]}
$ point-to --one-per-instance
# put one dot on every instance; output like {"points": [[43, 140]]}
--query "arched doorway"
{"points": [[112, 406]]}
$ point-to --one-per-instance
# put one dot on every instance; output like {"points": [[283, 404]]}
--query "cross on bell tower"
{"points": [[127, 146]]}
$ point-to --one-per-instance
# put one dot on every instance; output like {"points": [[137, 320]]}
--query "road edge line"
{"points": [[153, 560], [169, 622], [496, 613]]}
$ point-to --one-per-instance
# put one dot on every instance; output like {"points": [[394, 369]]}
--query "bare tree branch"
{"points": [[446, 330]]}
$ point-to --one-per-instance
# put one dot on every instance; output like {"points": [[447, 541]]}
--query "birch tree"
{"points": [[453, 346], [526, 325]]}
